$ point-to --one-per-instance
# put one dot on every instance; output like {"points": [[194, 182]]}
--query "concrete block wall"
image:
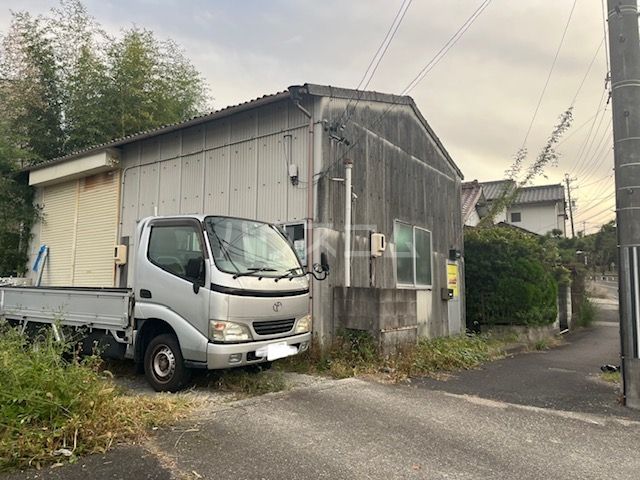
{"points": [[389, 315]]}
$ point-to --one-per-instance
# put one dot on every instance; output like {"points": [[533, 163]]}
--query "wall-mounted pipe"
{"points": [[348, 165]]}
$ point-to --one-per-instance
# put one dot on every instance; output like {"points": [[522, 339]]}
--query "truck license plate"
{"points": [[275, 351]]}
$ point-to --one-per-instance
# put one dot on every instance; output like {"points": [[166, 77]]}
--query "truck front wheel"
{"points": [[164, 365]]}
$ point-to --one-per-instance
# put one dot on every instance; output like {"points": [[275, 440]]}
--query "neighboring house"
{"points": [[474, 203], [258, 160], [540, 209]]}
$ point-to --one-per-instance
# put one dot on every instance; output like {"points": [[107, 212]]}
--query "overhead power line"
{"points": [[443, 51], [377, 58], [445, 48], [546, 83], [595, 55]]}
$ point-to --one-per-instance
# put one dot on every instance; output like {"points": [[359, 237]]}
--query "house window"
{"points": [[516, 217], [413, 255]]}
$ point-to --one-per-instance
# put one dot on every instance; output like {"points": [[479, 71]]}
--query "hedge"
{"points": [[510, 278]]}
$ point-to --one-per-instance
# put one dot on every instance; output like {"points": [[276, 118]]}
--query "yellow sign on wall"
{"points": [[452, 278]]}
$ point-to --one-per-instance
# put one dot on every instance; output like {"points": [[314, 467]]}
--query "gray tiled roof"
{"points": [[538, 194], [471, 195]]}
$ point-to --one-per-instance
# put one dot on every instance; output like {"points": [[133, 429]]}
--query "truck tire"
{"points": [[163, 364]]}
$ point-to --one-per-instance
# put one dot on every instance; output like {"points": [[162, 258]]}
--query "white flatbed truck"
{"points": [[208, 292]]}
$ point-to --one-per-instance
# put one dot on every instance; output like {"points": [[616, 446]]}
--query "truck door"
{"points": [[175, 272]]}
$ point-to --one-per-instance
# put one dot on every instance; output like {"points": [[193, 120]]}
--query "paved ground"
{"points": [[564, 378], [535, 416]]}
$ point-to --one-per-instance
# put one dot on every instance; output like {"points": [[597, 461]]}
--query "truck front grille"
{"points": [[272, 327]]}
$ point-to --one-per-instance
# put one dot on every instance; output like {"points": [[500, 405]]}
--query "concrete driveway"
{"points": [[535, 416]]}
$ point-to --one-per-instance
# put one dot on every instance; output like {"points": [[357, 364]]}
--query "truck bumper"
{"points": [[221, 356]]}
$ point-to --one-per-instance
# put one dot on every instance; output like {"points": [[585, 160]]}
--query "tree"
{"points": [[66, 85], [73, 86], [605, 246], [547, 155], [151, 83]]}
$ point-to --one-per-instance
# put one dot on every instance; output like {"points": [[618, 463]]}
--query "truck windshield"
{"points": [[241, 246]]}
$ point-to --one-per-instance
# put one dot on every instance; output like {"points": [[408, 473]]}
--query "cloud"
{"points": [[479, 99]]}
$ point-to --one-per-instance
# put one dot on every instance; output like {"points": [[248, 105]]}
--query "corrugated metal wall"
{"points": [[79, 226], [236, 165]]}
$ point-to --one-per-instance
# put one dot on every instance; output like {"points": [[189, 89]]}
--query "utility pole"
{"points": [[624, 49], [568, 180]]}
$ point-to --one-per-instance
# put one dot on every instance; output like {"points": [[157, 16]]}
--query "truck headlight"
{"points": [[304, 324], [220, 331]]}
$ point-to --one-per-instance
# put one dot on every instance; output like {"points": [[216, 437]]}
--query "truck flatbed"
{"points": [[102, 308]]}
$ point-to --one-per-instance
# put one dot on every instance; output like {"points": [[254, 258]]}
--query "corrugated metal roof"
{"points": [[537, 194], [265, 99], [471, 195], [292, 91]]}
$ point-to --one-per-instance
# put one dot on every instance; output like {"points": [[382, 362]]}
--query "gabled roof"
{"points": [[494, 189], [292, 92], [472, 194], [538, 194], [542, 193]]}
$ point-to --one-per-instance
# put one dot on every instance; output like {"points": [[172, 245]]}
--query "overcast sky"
{"points": [[479, 99]]}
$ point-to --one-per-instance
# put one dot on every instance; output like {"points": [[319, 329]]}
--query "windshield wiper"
{"points": [[253, 271], [290, 274]]}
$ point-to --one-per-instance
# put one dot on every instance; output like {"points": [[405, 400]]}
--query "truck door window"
{"points": [[177, 250]]}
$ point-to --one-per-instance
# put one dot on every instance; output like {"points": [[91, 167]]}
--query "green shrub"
{"points": [[510, 278], [586, 313], [54, 406]]}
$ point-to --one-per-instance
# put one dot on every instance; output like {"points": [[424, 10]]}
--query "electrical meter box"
{"points": [[378, 244], [120, 256]]}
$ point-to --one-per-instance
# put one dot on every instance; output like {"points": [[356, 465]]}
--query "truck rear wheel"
{"points": [[163, 364]]}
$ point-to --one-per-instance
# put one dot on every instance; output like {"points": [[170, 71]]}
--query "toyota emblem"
{"points": [[277, 306]]}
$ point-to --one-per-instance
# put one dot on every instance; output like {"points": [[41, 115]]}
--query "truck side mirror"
{"points": [[324, 263], [195, 272], [320, 268]]}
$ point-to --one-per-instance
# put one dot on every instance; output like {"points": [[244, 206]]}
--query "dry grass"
{"points": [[356, 354], [54, 406]]}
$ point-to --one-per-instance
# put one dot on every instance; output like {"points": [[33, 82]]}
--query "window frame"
{"points": [[511, 214], [198, 229], [283, 226], [415, 284]]}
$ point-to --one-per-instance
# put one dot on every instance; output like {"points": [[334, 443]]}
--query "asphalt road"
{"points": [[534, 416]]}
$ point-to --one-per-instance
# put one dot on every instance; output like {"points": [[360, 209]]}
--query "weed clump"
{"points": [[55, 406], [356, 353]]}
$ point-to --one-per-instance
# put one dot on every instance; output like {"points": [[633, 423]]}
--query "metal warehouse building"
{"points": [[280, 158]]}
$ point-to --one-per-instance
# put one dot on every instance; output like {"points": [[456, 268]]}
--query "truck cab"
{"points": [[215, 292]]}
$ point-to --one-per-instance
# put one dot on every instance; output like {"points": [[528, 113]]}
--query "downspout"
{"points": [[348, 165], [310, 206]]}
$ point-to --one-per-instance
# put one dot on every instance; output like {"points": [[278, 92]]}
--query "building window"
{"points": [[296, 233], [413, 255], [516, 217]]}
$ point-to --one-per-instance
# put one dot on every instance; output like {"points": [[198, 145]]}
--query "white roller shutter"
{"points": [[96, 230], [80, 222], [58, 225]]}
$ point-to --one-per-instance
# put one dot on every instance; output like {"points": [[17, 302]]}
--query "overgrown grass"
{"points": [[355, 353], [611, 377], [244, 383], [55, 406]]}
